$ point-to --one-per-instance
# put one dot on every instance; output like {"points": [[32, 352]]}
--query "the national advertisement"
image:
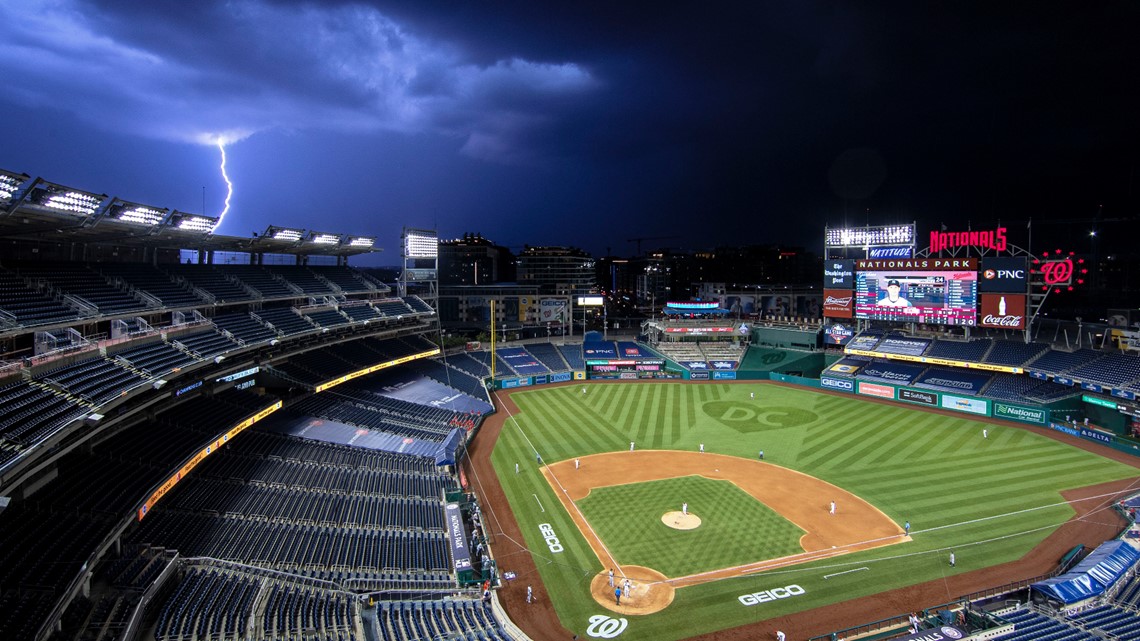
{"points": [[1033, 415]]}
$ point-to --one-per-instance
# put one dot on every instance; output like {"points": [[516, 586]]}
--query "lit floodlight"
{"points": [[361, 241], [323, 239], [135, 213], [870, 236], [420, 243], [284, 234], [192, 222], [10, 183], [67, 200]]}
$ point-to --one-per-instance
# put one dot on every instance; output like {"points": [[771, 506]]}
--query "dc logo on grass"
{"points": [[746, 417], [604, 627]]}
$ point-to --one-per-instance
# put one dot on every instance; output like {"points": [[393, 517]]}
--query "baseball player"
{"points": [[952, 559], [985, 433], [625, 588], [685, 509], [752, 395], [611, 577], [617, 595], [780, 635], [631, 446], [577, 463], [516, 468], [831, 510], [529, 594], [906, 528], [702, 448]]}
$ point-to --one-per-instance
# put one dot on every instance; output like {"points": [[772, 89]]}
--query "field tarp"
{"points": [[1092, 576]]}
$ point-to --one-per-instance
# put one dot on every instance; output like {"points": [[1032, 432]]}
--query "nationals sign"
{"points": [[837, 303], [1004, 311], [987, 239]]}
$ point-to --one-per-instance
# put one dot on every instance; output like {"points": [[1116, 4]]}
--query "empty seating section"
{"points": [[305, 507], [348, 280], [686, 354], [573, 356], [153, 281], [1117, 622], [1058, 362], [244, 327], [284, 320], [327, 318], [360, 312], [29, 307], [1114, 370], [154, 358], [302, 278], [548, 356], [1129, 594], [1031, 626], [521, 361], [29, 413], [392, 307], [96, 380], [259, 280], [450, 376], [208, 604], [358, 393], [418, 305], [75, 279], [452, 619], [335, 409], [296, 610], [205, 343], [213, 282], [473, 363], [1013, 353], [890, 372], [971, 351]]}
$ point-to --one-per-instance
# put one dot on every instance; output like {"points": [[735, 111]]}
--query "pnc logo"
{"points": [[991, 274]]}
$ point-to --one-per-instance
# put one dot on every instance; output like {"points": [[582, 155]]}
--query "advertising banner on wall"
{"points": [[552, 310], [1004, 311], [837, 384], [962, 404], [837, 303], [921, 397], [1004, 274], [838, 334], [838, 274], [874, 389], [1033, 415]]}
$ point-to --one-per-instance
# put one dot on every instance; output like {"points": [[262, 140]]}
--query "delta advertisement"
{"points": [[193, 462]]}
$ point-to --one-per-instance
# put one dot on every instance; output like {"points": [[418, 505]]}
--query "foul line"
{"points": [[828, 576], [539, 503], [613, 561]]}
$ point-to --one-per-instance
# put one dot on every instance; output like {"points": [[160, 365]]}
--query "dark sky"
{"points": [[582, 123]]}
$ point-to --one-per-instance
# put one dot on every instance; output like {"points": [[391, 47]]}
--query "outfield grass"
{"points": [[934, 470], [735, 527]]}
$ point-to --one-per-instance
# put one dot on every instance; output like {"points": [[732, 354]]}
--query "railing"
{"points": [[85, 308]]}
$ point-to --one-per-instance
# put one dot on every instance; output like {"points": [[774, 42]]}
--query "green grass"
{"points": [[932, 469], [735, 528]]}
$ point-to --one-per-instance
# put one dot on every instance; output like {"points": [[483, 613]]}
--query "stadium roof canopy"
{"points": [[40, 211]]}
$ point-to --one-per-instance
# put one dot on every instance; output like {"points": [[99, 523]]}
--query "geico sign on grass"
{"points": [[551, 539], [764, 596]]}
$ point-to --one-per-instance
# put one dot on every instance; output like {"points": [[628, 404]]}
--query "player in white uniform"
{"points": [[685, 509], [892, 299], [831, 511]]}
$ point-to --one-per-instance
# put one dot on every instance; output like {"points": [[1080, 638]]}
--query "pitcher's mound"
{"points": [[650, 591], [679, 521]]}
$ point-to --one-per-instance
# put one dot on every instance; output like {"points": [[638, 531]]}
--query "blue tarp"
{"points": [[1092, 576], [957, 381], [446, 453]]}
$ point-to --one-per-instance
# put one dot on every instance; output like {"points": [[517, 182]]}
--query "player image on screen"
{"points": [[891, 297], [939, 296]]}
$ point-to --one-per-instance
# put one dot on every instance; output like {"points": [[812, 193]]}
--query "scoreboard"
{"points": [[895, 291]]}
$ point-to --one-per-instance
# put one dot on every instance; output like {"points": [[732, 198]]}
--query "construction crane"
{"points": [[641, 238]]}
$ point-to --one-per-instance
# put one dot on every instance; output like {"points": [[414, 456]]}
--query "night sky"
{"points": [[585, 124]]}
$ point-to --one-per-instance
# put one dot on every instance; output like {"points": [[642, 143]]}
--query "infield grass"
{"points": [[991, 500], [735, 527]]}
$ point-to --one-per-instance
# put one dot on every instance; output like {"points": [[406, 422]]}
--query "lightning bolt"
{"points": [[229, 184]]}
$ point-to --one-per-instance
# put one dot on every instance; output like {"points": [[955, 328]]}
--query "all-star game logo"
{"points": [[839, 334]]}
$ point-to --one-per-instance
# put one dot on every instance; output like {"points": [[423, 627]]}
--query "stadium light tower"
{"points": [[420, 273]]}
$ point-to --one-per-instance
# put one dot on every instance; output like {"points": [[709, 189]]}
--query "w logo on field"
{"points": [[604, 627]]}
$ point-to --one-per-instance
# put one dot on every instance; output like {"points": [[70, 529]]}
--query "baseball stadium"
{"points": [[195, 447]]}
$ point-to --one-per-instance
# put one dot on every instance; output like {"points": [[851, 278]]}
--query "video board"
{"points": [[895, 291]]}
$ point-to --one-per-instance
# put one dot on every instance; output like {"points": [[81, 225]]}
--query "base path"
{"points": [[804, 500]]}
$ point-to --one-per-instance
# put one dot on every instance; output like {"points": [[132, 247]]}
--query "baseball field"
{"points": [[764, 543]]}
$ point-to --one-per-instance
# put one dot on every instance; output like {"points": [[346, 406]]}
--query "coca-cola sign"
{"points": [[1002, 311], [837, 303]]}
